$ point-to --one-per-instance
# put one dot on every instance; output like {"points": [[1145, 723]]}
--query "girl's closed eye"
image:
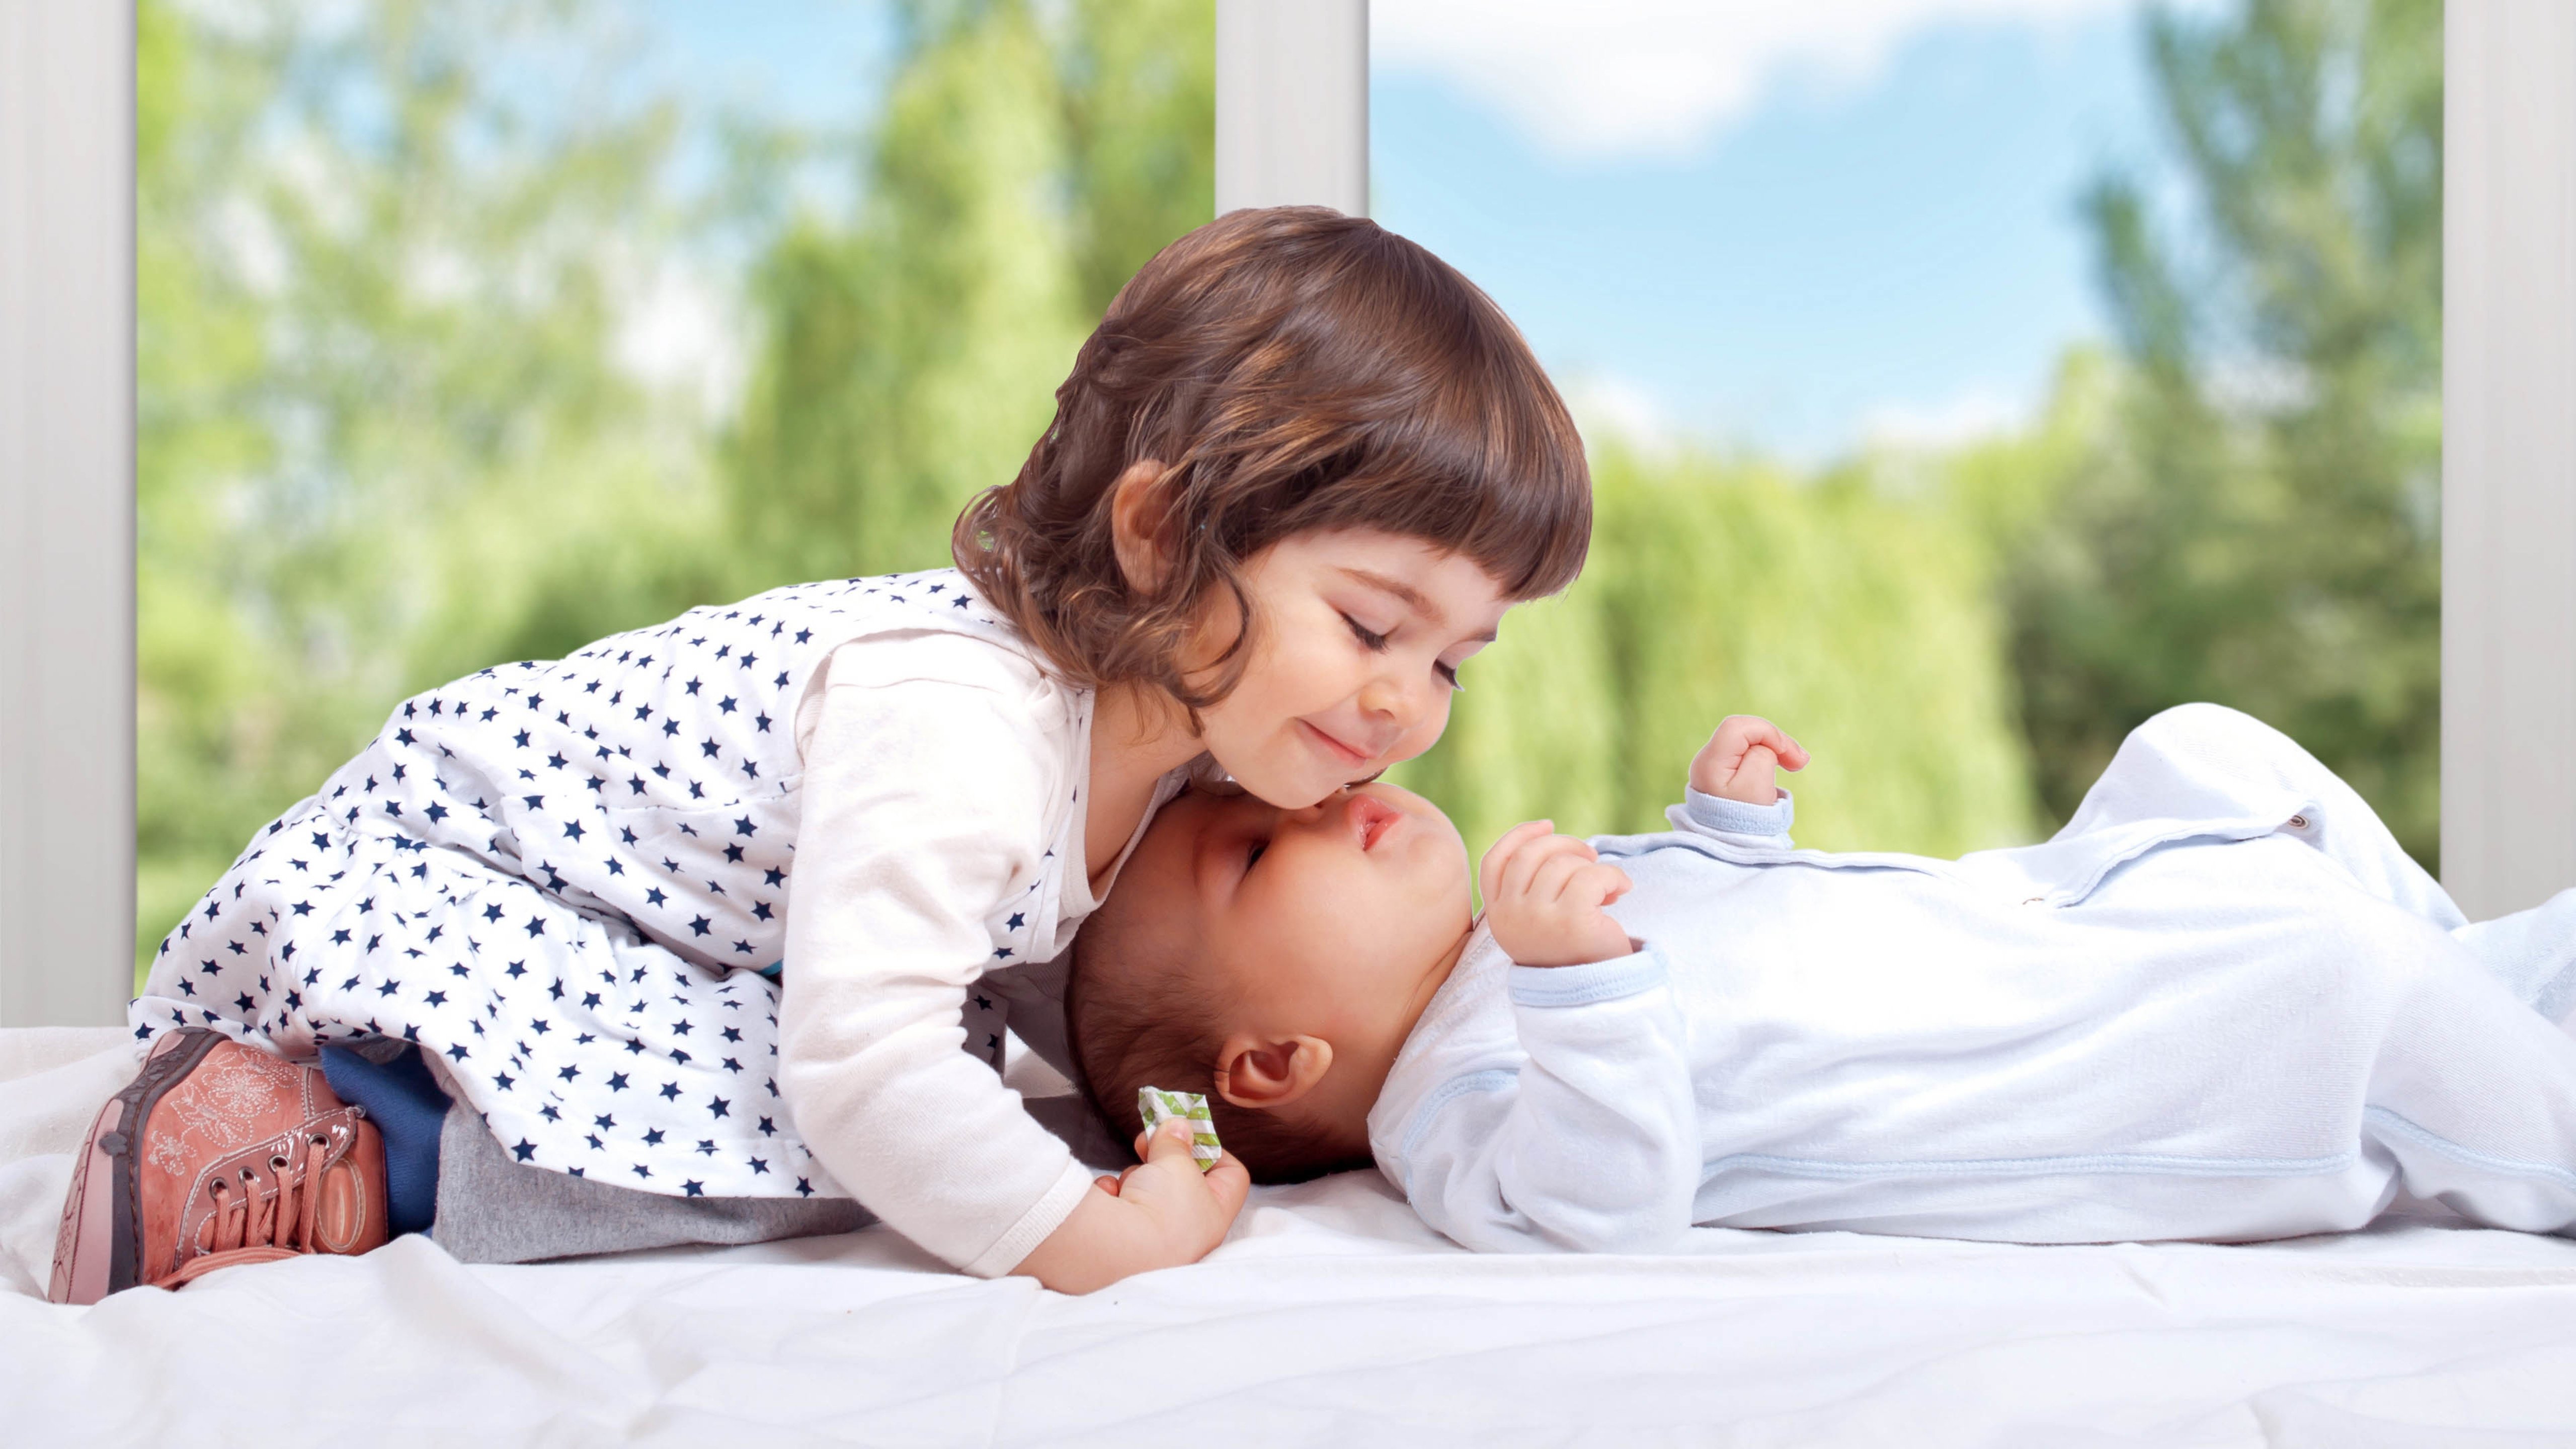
{"points": [[1376, 643]]}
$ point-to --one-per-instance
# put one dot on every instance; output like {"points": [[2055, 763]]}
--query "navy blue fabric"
{"points": [[404, 1102]]}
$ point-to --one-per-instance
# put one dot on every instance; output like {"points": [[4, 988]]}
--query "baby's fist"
{"points": [[1544, 895], [1738, 760]]}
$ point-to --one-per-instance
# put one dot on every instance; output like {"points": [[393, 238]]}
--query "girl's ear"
{"points": [[1264, 1073], [1139, 526]]}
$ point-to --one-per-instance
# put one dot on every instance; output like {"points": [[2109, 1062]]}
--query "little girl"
{"points": [[677, 939]]}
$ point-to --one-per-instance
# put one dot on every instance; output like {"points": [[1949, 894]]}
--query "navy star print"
{"points": [[657, 757]]}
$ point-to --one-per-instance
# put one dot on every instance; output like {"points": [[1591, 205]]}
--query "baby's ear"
{"points": [[1264, 1073]]}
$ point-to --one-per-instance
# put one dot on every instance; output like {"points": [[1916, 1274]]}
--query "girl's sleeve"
{"points": [[1592, 1145], [928, 777]]}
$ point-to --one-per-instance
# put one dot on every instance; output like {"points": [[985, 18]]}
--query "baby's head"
{"points": [[1274, 960]]}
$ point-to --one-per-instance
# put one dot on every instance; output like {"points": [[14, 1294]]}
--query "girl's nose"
{"points": [[1391, 700], [1305, 816]]}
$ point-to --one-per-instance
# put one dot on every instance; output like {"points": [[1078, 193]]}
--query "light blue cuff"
{"points": [[1710, 812], [1584, 985]]}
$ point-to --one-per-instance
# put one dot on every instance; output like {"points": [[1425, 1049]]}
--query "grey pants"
{"points": [[495, 1210]]}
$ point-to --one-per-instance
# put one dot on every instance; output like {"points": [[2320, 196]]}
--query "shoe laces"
{"points": [[263, 1204]]}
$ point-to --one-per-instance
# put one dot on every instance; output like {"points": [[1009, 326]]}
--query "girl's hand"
{"points": [[1544, 895], [1161, 1213], [1193, 1207], [1738, 760]]}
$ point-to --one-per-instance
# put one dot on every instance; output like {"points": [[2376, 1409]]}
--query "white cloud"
{"points": [[680, 332], [1935, 427], [1607, 408], [1660, 77]]}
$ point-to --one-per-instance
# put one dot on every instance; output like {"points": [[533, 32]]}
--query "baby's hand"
{"points": [[1737, 761], [1544, 895]]}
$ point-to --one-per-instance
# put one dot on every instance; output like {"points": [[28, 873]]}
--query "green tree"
{"points": [[383, 436], [1025, 166], [1019, 174], [387, 256], [2258, 524], [1857, 613], [1140, 108], [463, 475]]}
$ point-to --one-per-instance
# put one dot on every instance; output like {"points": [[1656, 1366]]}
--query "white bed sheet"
{"points": [[1331, 1315]]}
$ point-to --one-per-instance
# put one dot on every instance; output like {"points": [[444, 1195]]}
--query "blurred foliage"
{"points": [[392, 430], [383, 437], [1017, 178], [2258, 524], [1859, 615], [396, 423]]}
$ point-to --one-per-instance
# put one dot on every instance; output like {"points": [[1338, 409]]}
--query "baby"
{"points": [[2220, 1004]]}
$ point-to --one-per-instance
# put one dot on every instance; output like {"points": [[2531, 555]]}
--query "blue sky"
{"points": [[813, 62], [1866, 234], [1785, 226]]}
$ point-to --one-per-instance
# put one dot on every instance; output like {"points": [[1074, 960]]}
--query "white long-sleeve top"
{"points": [[2220, 1004], [943, 811]]}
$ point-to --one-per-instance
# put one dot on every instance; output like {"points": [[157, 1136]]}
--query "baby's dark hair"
{"points": [[1139, 1017], [1295, 370]]}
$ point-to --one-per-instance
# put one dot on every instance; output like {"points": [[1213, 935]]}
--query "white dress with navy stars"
{"points": [[565, 880]]}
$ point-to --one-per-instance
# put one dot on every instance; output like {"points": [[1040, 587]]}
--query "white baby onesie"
{"points": [[2220, 1004]]}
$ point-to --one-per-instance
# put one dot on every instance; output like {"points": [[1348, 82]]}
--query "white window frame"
{"points": [[66, 511], [2508, 453], [1292, 126], [1292, 104]]}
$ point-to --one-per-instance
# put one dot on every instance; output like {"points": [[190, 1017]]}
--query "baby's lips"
{"points": [[1370, 818]]}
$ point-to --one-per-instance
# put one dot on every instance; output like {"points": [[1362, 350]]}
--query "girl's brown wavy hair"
{"points": [[1295, 370]]}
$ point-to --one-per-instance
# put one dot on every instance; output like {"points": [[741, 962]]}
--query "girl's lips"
{"points": [[1333, 745], [1372, 818]]}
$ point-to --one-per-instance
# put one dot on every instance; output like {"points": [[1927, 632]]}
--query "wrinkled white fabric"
{"points": [[1331, 1315]]}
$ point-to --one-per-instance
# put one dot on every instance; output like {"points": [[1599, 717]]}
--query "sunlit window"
{"points": [[471, 332], [1967, 380]]}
